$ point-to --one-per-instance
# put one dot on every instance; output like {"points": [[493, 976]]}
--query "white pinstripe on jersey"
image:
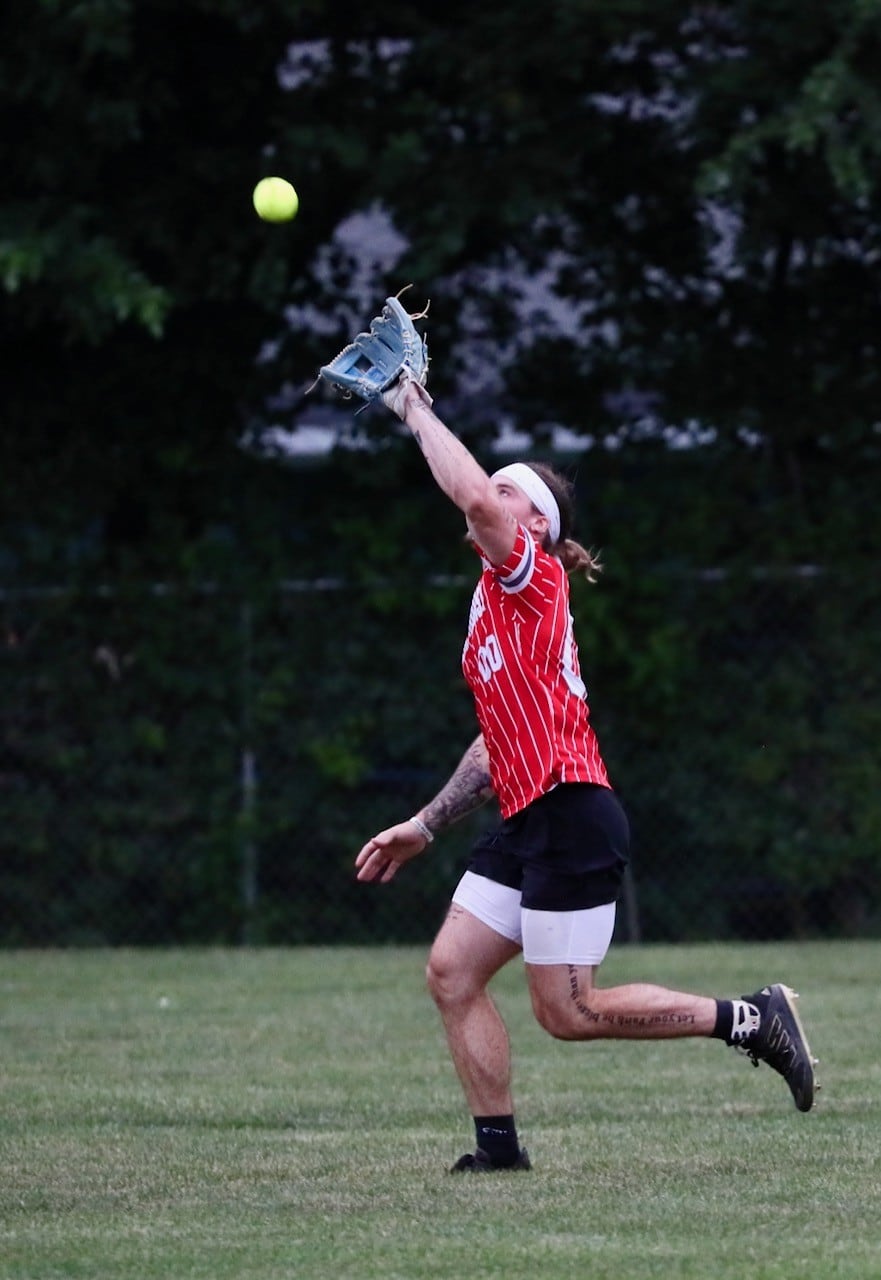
{"points": [[521, 663]]}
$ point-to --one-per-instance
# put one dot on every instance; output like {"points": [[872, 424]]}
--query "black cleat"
{"points": [[781, 1042], [479, 1162]]}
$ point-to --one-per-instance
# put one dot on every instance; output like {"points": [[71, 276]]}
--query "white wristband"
{"points": [[422, 829]]}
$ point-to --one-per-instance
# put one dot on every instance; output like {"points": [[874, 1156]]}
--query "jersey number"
{"points": [[489, 658]]}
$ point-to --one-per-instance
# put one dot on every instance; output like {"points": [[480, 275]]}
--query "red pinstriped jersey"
{"points": [[521, 663]]}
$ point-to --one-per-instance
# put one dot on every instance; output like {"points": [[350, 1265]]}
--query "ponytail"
{"points": [[574, 557]]}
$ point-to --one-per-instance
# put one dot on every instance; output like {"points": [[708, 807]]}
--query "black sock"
{"points": [[497, 1136], [724, 1020], [739, 1021]]}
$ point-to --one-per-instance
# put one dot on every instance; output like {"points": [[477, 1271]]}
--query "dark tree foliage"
{"points": [[657, 224], [695, 186]]}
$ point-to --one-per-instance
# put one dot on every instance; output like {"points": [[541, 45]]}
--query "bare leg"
{"points": [[465, 956], [568, 1005]]}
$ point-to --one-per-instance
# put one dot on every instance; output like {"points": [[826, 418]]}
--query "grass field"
{"points": [[292, 1113]]}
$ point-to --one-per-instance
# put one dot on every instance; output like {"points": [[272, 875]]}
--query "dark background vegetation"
{"points": [[654, 227]]}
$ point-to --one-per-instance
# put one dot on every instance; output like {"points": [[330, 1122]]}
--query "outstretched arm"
{"points": [[456, 471], [467, 789]]}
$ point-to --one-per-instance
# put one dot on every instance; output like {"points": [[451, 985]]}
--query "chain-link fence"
{"points": [[196, 766]]}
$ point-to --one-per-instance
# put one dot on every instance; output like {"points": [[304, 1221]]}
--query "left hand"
{"points": [[405, 393], [390, 849]]}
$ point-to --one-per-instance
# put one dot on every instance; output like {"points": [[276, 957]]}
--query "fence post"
{"points": [[248, 784], [630, 908]]}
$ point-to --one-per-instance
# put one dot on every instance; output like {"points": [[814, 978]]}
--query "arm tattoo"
{"points": [[468, 788]]}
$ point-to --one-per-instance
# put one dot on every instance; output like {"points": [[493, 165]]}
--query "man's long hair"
{"points": [[575, 557]]}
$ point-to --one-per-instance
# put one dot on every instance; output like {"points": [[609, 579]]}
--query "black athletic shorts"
{"points": [[566, 851]]}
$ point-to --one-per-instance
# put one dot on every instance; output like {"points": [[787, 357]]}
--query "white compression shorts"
{"points": [[547, 937]]}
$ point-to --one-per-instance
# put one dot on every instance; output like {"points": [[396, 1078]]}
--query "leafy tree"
{"points": [[696, 185], [138, 283], [655, 222]]}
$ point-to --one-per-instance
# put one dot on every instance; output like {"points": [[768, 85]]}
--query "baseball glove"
{"points": [[374, 362]]}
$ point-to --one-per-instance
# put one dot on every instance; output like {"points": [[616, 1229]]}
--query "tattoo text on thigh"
{"points": [[583, 1009]]}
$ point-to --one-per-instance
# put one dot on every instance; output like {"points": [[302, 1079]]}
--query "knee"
{"points": [[562, 1021], [552, 1020], [448, 980], [441, 979]]}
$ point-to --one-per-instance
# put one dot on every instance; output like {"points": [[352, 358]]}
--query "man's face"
{"points": [[520, 507]]}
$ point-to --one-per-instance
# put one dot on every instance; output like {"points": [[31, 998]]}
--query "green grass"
{"points": [[292, 1113]]}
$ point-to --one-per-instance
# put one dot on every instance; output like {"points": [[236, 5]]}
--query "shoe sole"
{"points": [[804, 1097], [468, 1164]]}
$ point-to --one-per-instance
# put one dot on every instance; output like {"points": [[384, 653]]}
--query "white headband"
{"points": [[536, 491]]}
